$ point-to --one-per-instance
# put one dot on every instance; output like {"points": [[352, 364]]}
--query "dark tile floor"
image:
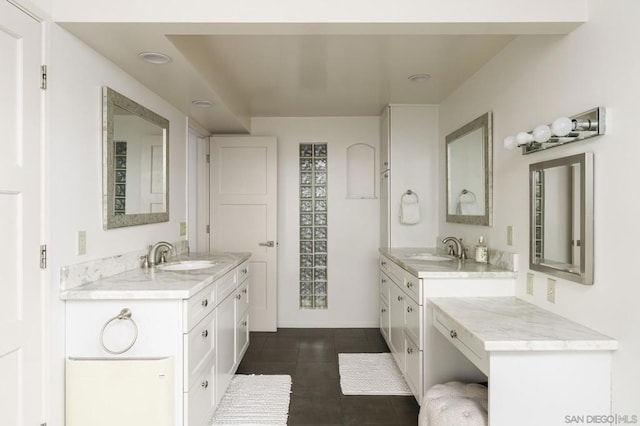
{"points": [[310, 357]]}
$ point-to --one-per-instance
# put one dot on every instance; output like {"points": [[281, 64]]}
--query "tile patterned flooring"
{"points": [[310, 357]]}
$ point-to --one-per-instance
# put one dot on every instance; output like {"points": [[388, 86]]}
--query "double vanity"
{"points": [[182, 325], [446, 319]]}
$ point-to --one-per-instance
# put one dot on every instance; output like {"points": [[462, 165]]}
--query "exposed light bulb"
{"points": [[523, 138], [542, 133], [562, 126], [510, 142]]}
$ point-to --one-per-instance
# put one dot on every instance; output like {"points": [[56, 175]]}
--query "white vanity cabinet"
{"points": [[206, 333], [405, 319], [541, 368]]}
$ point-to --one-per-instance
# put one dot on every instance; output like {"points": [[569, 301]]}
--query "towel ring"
{"points": [[467, 192], [409, 192], [125, 315]]}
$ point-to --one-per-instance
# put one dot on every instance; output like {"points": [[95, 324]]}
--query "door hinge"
{"points": [[43, 72], [208, 229], [43, 256]]}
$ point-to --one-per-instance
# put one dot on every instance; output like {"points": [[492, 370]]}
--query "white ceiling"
{"points": [[267, 71]]}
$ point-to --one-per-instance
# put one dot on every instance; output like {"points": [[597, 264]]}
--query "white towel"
{"points": [[467, 208], [409, 209]]}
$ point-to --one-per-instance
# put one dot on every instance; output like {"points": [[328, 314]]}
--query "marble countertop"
{"points": [[512, 324], [453, 268], [153, 283]]}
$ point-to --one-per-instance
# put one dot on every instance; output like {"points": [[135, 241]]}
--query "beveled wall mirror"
{"points": [[469, 172], [561, 206], [134, 163]]}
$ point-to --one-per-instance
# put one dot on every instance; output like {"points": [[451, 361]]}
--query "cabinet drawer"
{"points": [[384, 287], [199, 345], [413, 286], [242, 299], [413, 372], [414, 321], [225, 285], [393, 270], [199, 402], [198, 307], [462, 339], [243, 271]]}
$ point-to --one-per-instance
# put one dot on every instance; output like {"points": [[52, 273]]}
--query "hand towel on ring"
{"points": [[409, 208]]}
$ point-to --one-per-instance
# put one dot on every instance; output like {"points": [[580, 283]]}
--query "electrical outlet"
{"points": [[82, 242], [551, 290], [510, 235], [530, 283], [183, 229]]}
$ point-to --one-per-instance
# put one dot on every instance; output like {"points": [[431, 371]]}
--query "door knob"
{"points": [[267, 244]]}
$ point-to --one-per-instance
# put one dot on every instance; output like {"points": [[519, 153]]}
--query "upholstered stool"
{"points": [[455, 404]]}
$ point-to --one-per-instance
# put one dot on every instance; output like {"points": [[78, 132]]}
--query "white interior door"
{"points": [[21, 280], [243, 215]]}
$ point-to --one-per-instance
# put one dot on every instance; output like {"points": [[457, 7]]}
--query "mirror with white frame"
{"points": [[561, 217], [469, 172], [134, 162]]}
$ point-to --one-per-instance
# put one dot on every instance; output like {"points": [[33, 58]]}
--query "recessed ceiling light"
{"points": [[201, 103], [416, 78], [155, 57]]}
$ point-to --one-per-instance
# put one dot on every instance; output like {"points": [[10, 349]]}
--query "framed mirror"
{"points": [[561, 220], [134, 163], [469, 172]]}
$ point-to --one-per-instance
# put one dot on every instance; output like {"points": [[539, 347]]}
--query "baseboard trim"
{"points": [[326, 324]]}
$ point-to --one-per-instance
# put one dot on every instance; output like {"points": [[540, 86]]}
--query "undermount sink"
{"points": [[429, 257], [186, 265]]}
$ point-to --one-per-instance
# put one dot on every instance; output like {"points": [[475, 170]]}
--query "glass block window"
{"points": [[313, 225]]}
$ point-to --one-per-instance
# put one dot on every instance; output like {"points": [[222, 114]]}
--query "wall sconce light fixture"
{"points": [[562, 131]]}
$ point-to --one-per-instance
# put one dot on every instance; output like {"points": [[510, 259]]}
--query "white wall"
{"points": [[353, 224], [533, 81], [76, 77]]}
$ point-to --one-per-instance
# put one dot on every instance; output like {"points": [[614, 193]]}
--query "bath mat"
{"points": [[371, 374], [254, 400]]}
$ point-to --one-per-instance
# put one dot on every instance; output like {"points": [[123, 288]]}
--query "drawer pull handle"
{"points": [[205, 303], [453, 334], [399, 298], [409, 309], [409, 284], [409, 351], [204, 384], [205, 333]]}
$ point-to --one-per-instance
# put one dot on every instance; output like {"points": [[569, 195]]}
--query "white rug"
{"points": [[254, 400], [371, 374]]}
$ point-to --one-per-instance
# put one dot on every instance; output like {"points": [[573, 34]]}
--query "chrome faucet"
{"points": [[154, 250], [458, 250]]}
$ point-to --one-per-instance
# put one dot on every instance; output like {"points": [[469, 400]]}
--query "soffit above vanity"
{"points": [[318, 66]]}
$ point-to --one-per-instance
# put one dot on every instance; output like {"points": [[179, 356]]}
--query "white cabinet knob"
{"points": [[205, 303], [205, 334]]}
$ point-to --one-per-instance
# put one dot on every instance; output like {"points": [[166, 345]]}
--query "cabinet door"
{"points": [[396, 325], [225, 345], [384, 320], [385, 206], [384, 140], [242, 337]]}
